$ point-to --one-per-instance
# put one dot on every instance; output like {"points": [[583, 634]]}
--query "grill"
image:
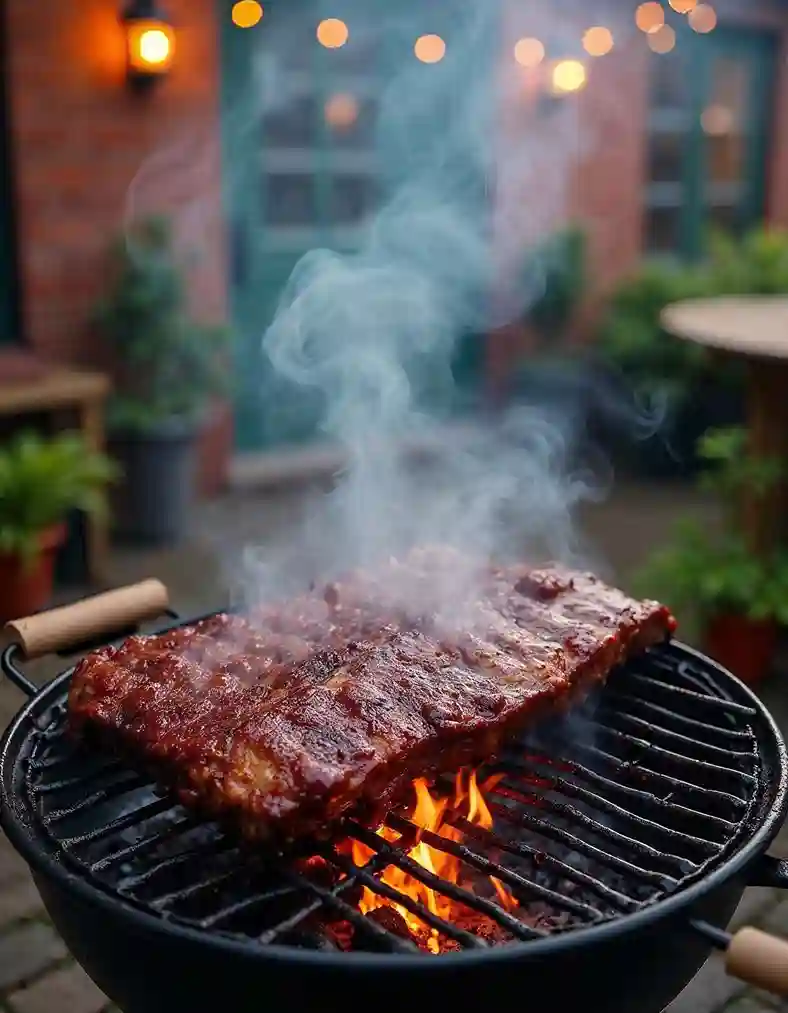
{"points": [[625, 832], [656, 782]]}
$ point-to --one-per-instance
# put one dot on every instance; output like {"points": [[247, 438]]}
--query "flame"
{"points": [[428, 814]]}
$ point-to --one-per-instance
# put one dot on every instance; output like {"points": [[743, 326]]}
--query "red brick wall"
{"points": [[79, 138]]}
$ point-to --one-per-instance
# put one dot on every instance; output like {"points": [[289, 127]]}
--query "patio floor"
{"points": [[36, 972]]}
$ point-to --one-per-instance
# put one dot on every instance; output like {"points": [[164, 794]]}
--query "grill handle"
{"points": [[770, 871], [759, 959], [87, 621]]}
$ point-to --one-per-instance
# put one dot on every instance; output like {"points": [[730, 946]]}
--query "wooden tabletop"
{"points": [[60, 388], [754, 326]]}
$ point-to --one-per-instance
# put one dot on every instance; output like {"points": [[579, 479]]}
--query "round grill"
{"points": [[642, 791]]}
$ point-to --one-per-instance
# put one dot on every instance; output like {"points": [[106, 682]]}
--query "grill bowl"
{"points": [[148, 960]]}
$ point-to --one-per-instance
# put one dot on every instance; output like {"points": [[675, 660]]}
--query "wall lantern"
{"points": [[150, 42]]}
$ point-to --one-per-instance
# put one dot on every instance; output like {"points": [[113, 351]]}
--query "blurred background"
{"points": [[165, 167]]}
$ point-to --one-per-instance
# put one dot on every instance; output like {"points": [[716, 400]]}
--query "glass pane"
{"points": [[350, 120], [724, 217], [666, 157], [669, 81], [663, 230], [291, 124], [723, 120], [290, 199], [352, 198]]}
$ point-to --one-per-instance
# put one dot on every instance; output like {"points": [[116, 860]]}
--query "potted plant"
{"points": [[711, 578], [169, 369], [41, 481]]}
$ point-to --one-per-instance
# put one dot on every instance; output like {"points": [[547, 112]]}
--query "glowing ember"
{"points": [[429, 812]]}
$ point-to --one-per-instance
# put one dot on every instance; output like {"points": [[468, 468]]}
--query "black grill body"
{"points": [[619, 830]]}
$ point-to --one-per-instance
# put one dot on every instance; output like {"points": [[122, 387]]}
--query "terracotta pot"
{"points": [[744, 646], [25, 589]]}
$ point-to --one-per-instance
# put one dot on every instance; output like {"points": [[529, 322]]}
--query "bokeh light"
{"points": [[598, 41], [702, 19], [154, 47], [332, 33], [663, 40], [430, 48], [717, 120], [650, 17], [529, 52], [341, 111], [247, 13], [682, 6], [568, 76]]}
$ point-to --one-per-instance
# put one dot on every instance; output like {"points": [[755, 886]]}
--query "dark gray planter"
{"points": [[153, 501]]}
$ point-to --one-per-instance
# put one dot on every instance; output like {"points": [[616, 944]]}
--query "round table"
{"points": [[755, 330]]}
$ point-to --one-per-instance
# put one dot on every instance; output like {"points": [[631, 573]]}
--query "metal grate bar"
{"points": [[677, 758], [96, 798], [193, 889], [666, 733], [139, 848], [551, 831], [598, 802], [220, 846], [480, 904], [593, 777], [157, 808], [713, 702], [247, 903], [333, 900], [706, 795], [490, 868], [613, 696], [613, 897], [296, 920]]}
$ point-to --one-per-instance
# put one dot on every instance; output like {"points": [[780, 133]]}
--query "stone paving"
{"points": [[37, 974]]}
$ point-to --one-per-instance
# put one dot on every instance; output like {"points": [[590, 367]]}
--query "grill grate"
{"points": [[657, 776]]}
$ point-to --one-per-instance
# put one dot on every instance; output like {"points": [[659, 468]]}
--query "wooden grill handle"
{"points": [[87, 620], [759, 959]]}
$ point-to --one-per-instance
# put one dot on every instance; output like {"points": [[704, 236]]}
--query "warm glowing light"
{"points": [[568, 76], [429, 814], [650, 17], [598, 41], [702, 19], [662, 41], [332, 33], [529, 52], [151, 46], [682, 6], [341, 111], [717, 120], [430, 48], [247, 13]]}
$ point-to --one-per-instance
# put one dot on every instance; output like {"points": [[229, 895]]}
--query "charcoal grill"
{"points": [[627, 832]]}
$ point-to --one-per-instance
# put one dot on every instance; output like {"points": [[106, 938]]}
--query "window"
{"points": [[708, 126]]}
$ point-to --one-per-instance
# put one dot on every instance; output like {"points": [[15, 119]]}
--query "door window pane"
{"points": [[666, 156], [723, 120], [663, 230], [291, 124], [352, 198], [350, 120], [290, 199]]}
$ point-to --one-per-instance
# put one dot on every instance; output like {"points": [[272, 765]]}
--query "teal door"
{"points": [[709, 130], [8, 328], [305, 165]]}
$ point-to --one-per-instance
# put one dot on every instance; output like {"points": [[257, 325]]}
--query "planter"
{"points": [[153, 501], [744, 646], [25, 589]]}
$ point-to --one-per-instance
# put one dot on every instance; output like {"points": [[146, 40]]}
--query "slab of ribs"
{"points": [[286, 720]]}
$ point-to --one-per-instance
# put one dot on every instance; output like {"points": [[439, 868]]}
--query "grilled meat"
{"points": [[287, 721]]}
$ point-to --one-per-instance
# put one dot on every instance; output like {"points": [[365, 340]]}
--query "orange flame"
{"points": [[428, 814]]}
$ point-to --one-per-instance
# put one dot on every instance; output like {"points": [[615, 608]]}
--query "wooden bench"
{"points": [[57, 390]]}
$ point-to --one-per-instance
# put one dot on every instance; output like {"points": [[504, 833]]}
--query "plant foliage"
{"points": [[41, 481], [704, 572], [169, 365]]}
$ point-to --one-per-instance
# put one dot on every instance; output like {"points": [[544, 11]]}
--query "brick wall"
{"points": [[79, 139]]}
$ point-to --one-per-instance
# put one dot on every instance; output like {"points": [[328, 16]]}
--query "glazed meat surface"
{"points": [[287, 720]]}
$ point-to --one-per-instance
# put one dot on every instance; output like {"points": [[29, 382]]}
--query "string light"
{"points": [[332, 33], [702, 19], [430, 48], [663, 40], [650, 17], [247, 13], [682, 6], [598, 41], [568, 76], [529, 52]]}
